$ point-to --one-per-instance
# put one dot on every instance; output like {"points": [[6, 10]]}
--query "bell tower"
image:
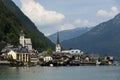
{"points": [[22, 39]]}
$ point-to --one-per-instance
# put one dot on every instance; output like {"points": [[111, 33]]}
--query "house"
{"points": [[19, 55], [109, 60], [33, 59], [47, 58], [76, 51], [94, 56], [5, 50], [13, 54]]}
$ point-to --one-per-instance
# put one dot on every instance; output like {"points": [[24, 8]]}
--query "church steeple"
{"points": [[22, 33], [58, 47], [22, 38], [58, 42]]}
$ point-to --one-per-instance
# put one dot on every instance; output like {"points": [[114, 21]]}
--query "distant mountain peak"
{"points": [[68, 34]]}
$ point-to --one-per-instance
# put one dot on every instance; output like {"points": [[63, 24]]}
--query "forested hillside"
{"points": [[11, 25]]}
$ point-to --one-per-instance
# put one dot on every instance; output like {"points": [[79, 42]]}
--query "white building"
{"points": [[25, 42], [13, 54], [76, 51], [47, 58], [65, 51], [73, 51]]}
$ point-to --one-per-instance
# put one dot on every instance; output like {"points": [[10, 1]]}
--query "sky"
{"points": [[51, 16]]}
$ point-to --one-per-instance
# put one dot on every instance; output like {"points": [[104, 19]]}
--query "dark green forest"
{"points": [[11, 26]]}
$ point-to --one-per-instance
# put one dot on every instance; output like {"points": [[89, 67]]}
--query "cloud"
{"points": [[84, 23], [65, 27], [68, 26], [38, 14], [104, 13], [75, 24]]}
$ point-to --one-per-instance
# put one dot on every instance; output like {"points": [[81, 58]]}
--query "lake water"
{"points": [[60, 73]]}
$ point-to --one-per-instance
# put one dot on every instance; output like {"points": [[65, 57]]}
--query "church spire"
{"points": [[58, 42], [58, 47], [22, 33]]}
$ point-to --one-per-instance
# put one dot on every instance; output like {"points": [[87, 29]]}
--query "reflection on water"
{"points": [[60, 73]]}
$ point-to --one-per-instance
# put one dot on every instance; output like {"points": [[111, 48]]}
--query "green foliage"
{"points": [[9, 25], [12, 21], [49, 52]]}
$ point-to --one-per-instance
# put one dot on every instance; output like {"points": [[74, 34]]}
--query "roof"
{"points": [[28, 41], [3, 50], [22, 50]]}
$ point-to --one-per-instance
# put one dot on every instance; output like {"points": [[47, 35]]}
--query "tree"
{"points": [[49, 51]]}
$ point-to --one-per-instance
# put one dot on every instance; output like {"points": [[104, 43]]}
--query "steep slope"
{"points": [[68, 34], [12, 21], [103, 39]]}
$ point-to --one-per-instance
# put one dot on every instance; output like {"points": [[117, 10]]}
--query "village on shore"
{"points": [[25, 55]]}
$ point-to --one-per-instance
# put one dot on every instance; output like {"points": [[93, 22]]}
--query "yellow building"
{"points": [[20, 56]]}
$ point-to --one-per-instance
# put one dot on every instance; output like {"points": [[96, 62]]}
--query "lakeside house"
{"points": [[24, 53], [47, 59], [20, 55]]}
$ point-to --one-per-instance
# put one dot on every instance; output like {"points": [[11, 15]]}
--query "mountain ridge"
{"points": [[103, 39], [69, 34], [16, 21]]}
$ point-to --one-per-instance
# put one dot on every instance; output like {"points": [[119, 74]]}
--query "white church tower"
{"points": [[22, 39], [25, 42], [58, 47]]}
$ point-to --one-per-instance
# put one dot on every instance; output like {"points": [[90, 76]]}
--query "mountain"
{"points": [[68, 34], [103, 39], [12, 21]]}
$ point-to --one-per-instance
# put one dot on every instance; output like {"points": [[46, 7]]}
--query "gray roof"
{"points": [[22, 50]]}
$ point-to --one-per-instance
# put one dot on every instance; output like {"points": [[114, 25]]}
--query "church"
{"points": [[25, 42]]}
